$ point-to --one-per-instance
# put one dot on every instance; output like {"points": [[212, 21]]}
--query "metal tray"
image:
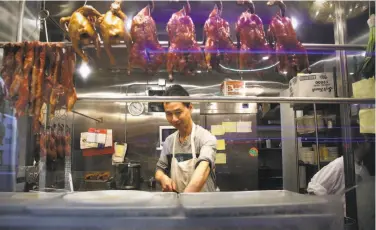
{"points": [[11, 202], [150, 204], [254, 203]]}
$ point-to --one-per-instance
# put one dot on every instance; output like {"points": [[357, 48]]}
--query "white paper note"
{"points": [[244, 127], [91, 137]]}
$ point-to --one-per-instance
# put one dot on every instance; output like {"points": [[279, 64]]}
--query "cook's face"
{"points": [[177, 114]]}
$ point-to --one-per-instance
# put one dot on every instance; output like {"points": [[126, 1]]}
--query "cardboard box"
{"points": [[312, 85]]}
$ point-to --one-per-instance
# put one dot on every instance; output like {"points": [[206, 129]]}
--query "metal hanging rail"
{"points": [[241, 99], [308, 46], [99, 120]]}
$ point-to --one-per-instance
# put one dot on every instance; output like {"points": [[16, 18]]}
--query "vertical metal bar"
{"points": [[297, 153], [340, 33], [15, 139], [316, 136], [20, 20]]}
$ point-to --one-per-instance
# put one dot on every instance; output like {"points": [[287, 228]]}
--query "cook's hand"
{"points": [[167, 184]]}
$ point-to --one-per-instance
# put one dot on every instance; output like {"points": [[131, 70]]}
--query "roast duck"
{"points": [[81, 28], [217, 39], [37, 73], [251, 38], [112, 29], [54, 142], [290, 52], [184, 53], [146, 52]]}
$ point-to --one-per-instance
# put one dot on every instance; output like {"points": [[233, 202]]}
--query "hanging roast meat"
{"points": [[23, 91], [251, 38], [68, 75], [48, 81], [291, 54], [80, 27], [217, 38], [7, 68], [34, 79], [146, 52], [39, 87], [112, 27], [18, 71], [64, 92], [184, 53]]}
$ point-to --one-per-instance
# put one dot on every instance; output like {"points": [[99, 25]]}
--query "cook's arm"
{"points": [[163, 167], [199, 177], [205, 163], [328, 180]]}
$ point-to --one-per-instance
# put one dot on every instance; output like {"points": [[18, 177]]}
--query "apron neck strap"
{"points": [[193, 146]]}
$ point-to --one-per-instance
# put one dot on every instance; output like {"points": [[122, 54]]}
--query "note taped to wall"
{"points": [[221, 145], [244, 127], [364, 88], [367, 120], [230, 127], [217, 130], [220, 158]]}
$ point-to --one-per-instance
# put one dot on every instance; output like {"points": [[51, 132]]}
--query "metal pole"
{"points": [[15, 160], [340, 33], [20, 20], [224, 99], [317, 136], [308, 46]]}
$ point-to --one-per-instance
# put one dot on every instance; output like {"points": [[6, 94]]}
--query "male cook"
{"points": [[187, 159]]}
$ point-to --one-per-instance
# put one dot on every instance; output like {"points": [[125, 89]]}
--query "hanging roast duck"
{"points": [[80, 27], [112, 28], [146, 52], [217, 38], [184, 53], [291, 54], [251, 38]]}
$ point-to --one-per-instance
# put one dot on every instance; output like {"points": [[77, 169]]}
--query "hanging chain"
{"points": [[42, 16]]}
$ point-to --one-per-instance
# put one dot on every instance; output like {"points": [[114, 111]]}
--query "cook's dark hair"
{"points": [[177, 90]]}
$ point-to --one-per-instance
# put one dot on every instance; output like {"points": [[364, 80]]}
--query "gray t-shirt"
{"points": [[206, 148]]}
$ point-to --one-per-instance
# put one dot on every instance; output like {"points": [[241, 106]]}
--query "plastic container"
{"points": [[324, 154], [332, 153], [330, 121], [309, 123], [300, 127]]}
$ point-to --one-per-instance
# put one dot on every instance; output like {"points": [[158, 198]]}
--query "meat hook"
{"points": [[280, 4]]}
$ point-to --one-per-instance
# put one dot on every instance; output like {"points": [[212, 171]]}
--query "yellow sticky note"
{"points": [[220, 158], [119, 150], [230, 127], [367, 120], [221, 145], [217, 130], [364, 88]]}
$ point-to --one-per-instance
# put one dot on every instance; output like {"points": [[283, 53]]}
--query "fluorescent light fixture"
{"points": [[84, 70], [294, 22], [265, 58]]}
